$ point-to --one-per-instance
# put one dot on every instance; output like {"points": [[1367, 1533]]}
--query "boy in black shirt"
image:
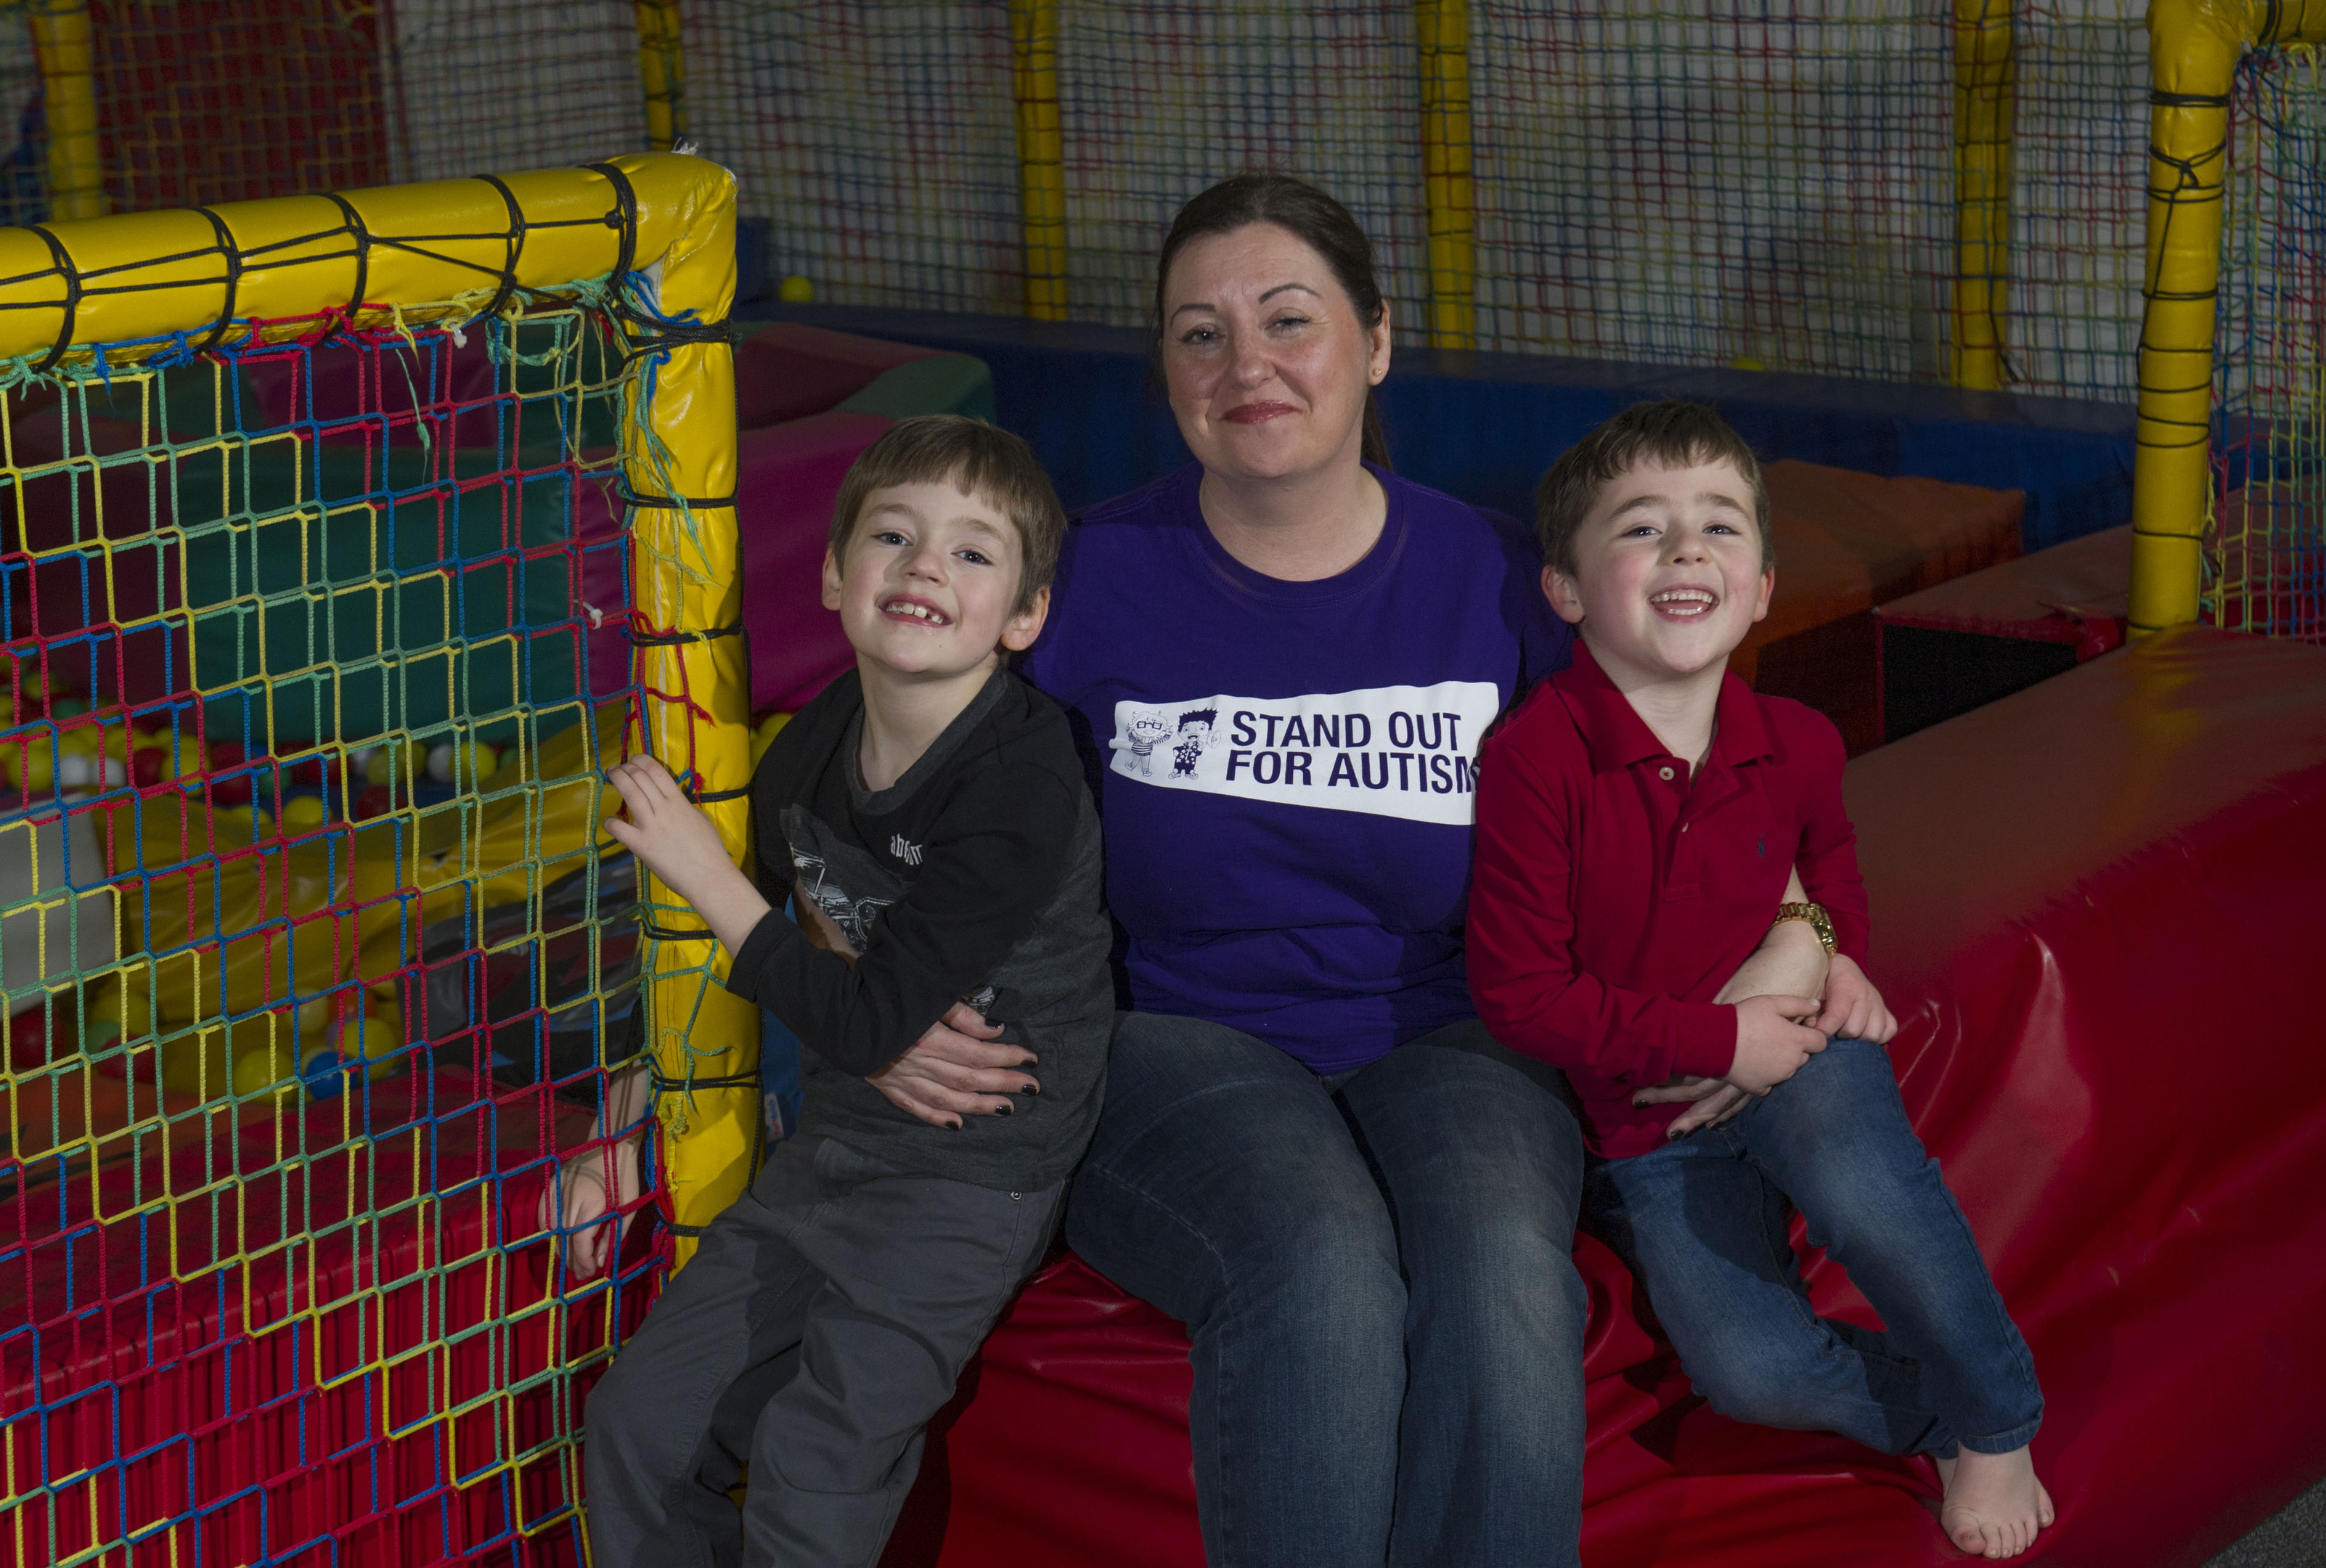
{"points": [[929, 818]]}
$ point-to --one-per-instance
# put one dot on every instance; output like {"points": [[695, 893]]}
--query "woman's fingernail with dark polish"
{"points": [[1007, 1109]]}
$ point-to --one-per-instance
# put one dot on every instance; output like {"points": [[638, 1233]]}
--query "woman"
{"points": [[1312, 1154]]}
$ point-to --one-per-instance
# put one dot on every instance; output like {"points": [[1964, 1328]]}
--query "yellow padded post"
{"points": [[2194, 46], [1041, 155], [661, 71], [1442, 28], [60, 41], [1984, 71]]}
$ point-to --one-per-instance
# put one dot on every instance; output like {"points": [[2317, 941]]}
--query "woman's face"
{"points": [[1266, 361]]}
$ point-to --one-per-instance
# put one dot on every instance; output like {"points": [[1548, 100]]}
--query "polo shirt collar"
{"points": [[1617, 737]]}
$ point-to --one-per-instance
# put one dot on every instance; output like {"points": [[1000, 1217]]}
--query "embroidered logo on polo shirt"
{"points": [[1390, 751]]}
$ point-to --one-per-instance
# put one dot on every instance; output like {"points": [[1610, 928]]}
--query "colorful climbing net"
{"points": [[344, 542], [2265, 553]]}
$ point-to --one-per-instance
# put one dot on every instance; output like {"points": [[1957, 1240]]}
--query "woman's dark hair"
{"points": [[1300, 209]]}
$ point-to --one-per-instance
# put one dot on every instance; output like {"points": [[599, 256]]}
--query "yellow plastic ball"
{"points": [[301, 812], [463, 762], [1746, 362], [795, 290], [28, 766], [404, 757]]}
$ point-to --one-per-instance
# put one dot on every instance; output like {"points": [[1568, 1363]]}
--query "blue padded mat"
{"points": [[1484, 426]]}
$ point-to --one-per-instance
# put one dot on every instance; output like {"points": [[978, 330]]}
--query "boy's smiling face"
{"points": [[1667, 575], [929, 583]]}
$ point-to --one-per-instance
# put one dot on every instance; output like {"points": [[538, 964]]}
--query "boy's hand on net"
{"points": [[666, 830], [1853, 1009], [959, 1068], [1771, 1044]]}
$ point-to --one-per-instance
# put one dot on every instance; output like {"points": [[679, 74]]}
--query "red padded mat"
{"points": [[2095, 913], [1846, 542], [2079, 592]]}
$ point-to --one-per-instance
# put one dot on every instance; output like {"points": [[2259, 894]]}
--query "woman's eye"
{"points": [[1287, 321], [1198, 337]]}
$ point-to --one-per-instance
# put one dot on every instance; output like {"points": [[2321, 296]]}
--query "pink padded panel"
{"points": [[786, 371], [788, 479]]}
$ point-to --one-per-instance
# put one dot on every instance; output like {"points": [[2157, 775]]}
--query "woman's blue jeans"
{"points": [[1704, 1224], [1386, 1325]]}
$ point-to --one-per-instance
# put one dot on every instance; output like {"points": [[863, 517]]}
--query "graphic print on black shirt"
{"points": [[848, 885]]}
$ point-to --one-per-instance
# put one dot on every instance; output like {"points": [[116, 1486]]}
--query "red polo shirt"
{"points": [[1612, 897]]}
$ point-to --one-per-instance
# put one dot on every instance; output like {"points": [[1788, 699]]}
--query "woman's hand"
{"points": [[1852, 1009], [959, 1068], [1710, 1102]]}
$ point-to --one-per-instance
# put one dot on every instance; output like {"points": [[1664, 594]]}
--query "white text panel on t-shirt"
{"points": [[1391, 751]]}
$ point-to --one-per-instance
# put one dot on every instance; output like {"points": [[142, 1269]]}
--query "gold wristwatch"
{"points": [[1818, 921]]}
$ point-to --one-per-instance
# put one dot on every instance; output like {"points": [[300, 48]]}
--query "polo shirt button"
{"points": [[1664, 774]]}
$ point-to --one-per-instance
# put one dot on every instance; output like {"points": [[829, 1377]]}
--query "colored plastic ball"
{"points": [[795, 290]]}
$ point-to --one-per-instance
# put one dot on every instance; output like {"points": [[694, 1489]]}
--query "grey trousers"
{"points": [[820, 1325]]}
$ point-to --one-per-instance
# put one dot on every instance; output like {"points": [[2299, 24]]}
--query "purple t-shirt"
{"points": [[1289, 766]]}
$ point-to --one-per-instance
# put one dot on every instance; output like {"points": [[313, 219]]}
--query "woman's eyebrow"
{"points": [[1279, 288]]}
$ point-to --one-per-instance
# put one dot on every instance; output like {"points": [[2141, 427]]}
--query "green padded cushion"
{"points": [[941, 383]]}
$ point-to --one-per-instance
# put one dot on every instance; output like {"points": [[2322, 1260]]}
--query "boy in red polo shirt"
{"points": [[1640, 818]]}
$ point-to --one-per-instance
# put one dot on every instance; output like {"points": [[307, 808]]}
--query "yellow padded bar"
{"points": [[1041, 155], [2194, 46], [60, 41], [1984, 70], [1443, 30]]}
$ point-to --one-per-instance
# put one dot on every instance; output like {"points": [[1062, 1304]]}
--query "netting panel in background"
{"points": [[1158, 101], [303, 1014], [878, 139], [2265, 556], [232, 100], [2079, 153], [1697, 183], [514, 84]]}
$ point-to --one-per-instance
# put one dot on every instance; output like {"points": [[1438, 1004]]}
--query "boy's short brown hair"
{"points": [[1668, 433], [997, 467]]}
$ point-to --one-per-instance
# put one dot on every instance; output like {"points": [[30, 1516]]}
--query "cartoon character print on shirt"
{"points": [[1145, 730], [1393, 751], [1195, 736], [849, 887]]}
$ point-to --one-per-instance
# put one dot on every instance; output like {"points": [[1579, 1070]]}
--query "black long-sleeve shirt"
{"points": [[975, 876]]}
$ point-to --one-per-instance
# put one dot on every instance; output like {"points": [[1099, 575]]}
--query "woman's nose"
{"points": [[1252, 364]]}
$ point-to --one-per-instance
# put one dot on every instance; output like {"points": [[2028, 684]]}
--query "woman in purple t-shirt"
{"points": [[1283, 659]]}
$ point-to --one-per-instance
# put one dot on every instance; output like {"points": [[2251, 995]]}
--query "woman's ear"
{"points": [[1377, 348]]}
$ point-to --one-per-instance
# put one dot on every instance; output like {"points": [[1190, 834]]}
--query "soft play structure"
{"points": [[347, 541]]}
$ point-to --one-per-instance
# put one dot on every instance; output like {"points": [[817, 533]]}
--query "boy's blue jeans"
{"points": [[1703, 1223]]}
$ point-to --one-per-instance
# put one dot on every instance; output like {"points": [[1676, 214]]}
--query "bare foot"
{"points": [[1994, 1504]]}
